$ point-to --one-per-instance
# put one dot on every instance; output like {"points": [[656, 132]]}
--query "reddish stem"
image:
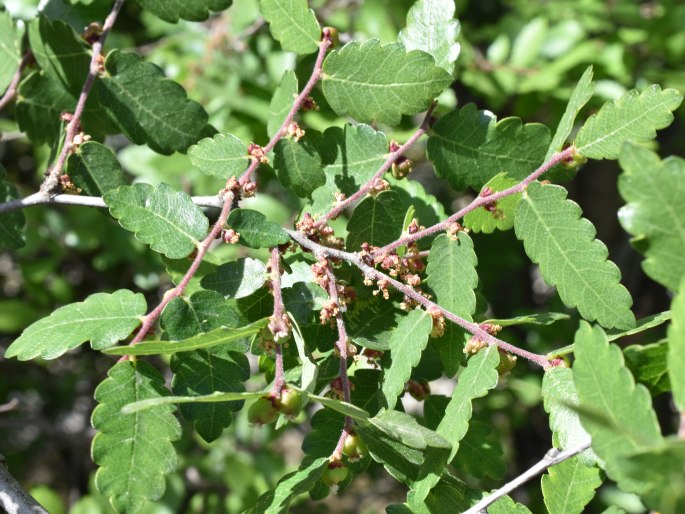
{"points": [[278, 324], [50, 185], [478, 202], [14, 84]]}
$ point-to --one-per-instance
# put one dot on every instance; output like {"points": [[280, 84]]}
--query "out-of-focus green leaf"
{"points": [[10, 56], [292, 24], [676, 348], [195, 10]]}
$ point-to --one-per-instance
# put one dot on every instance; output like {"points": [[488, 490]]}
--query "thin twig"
{"points": [[86, 201], [12, 88], [14, 499], [551, 458], [341, 206], [278, 323], [9, 406], [479, 201], [474, 328], [50, 185]]}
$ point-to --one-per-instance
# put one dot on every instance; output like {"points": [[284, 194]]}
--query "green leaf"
{"points": [[254, 229], [102, 318], [569, 486], [452, 275], [633, 117], [370, 82], [218, 397], [298, 166], [528, 43], [406, 345], [281, 102], [221, 156], [624, 420], [204, 372], [480, 452], [238, 278], [60, 52], [580, 96], [506, 505], [676, 348], [165, 219], [290, 486], [10, 54], [197, 10], [344, 408], [292, 24], [502, 218], [148, 108], [539, 319], [570, 258], [560, 397], [302, 299], [469, 147], [654, 213], [661, 471], [202, 312], [95, 169], [642, 325], [648, 364], [234, 338], [134, 451], [479, 376], [376, 220], [11, 223], [351, 155], [431, 27]]}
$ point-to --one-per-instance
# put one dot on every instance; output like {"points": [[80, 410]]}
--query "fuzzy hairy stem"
{"points": [[14, 83], [50, 185], [551, 458], [478, 202], [473, 328], [278, 323], [363, 190]]}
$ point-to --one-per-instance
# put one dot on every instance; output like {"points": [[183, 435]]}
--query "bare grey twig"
{"points": [[14, 499]]}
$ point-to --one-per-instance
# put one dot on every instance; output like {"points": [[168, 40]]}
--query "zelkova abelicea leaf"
{"points": [[10, 44], [479, 376], [570, 258], [635, 117], [293, 24], [655, 212], [569, 486], [221, 156], [377, 221], [95, 169], [281, 102], [617, 414], [134, 451], [502, 218], [371, 82], [406, 345], [195, 10], [580, 96], [148, 108], [238, 278], [103, 319], [431, 27], [165, 219], [298, 165], [676, 348], [255, 230], [469, 147]]}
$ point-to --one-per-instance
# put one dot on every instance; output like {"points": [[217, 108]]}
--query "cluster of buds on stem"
{"points": [[309, 104], [475, 344], [92, 33], [230, 236], [491, 207], [372, 357], [67, 186], [257, 152], [279, 327], [294, 131], [351, 349], [402, 166], [337, 391], [379, 185], [436, 315], [323, 234]]}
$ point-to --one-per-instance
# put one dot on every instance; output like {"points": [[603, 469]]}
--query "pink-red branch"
{"points": [[478, 202], [14, 83], [341, 206], [473, 328], [279, 323], [50, 185]]}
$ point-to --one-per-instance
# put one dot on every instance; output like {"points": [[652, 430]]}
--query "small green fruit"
{"points": [[290, 402], [262, 412], [354, 448], [335, 473]]}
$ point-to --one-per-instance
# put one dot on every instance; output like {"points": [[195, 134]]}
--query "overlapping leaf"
{"points": [[10, 56], [292, 24], [281, 102], [469, 147], [221, 156], [649, 365], [406, 345], [165, 219], [371, 82], [147, 107], [569, 486], [655, 213], [617, 413], [95, 169], [134, 451], [633, 117], [570, 258], [238, 278], [11, 223], [197, 10], [298, 165], [501, 217], [102, 318], [376, 220], [676, 348], [255, 230], [431, 27]]}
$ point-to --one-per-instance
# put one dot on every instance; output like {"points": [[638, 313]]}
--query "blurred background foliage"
{"points": [[518, 58]]}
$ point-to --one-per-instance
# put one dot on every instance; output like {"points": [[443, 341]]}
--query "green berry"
{"points": [[290, 402], [262, 412], [354, 448], [335, 473]]}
